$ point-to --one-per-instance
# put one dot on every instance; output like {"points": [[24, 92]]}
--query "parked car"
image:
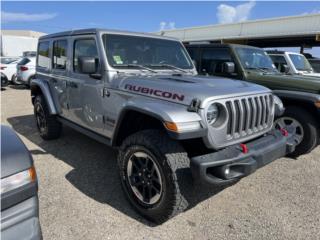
{"points": [[314, 61], [141, 94], [300, 94], [26, 70], [19, 186], [9, 68], [4, 80], [292, 63]]}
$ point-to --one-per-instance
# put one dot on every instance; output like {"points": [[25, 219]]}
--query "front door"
{"points": [[85, 92]]}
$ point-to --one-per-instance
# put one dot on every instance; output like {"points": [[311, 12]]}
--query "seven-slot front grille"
{"points": [[248, 115]]}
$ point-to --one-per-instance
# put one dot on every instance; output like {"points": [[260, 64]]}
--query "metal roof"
{"points": [[307, 26], [98, 30]]}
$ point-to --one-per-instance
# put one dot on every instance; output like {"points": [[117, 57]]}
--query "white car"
{"points": [[8, 68], [26, 70], [292, 63]]}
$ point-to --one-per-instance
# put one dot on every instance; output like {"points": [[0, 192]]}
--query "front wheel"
{"points": [[302, 126], [149, 163]]}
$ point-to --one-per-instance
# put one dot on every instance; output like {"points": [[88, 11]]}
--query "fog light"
{"points": [[227, 171]]}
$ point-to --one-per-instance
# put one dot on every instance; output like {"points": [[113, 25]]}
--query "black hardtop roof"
{"points": [[275, 51], [197, 45], [97, 30]]}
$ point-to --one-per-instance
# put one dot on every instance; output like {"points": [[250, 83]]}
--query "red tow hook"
{"points": [[284, 132], [244, 148]]}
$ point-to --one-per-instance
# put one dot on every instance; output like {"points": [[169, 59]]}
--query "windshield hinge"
{"points": [[194, 105]]}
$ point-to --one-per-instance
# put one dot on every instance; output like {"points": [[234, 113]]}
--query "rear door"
{"points": [[85, 92], [60, 74]]}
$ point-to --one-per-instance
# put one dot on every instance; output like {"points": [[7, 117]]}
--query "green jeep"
{"points": [[300, 94]]}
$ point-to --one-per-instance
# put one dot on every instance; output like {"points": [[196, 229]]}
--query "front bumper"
{"points": [[231, 163], [21, 221]]}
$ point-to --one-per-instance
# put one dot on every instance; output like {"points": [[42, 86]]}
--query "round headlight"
{"points": [[212, 113]]}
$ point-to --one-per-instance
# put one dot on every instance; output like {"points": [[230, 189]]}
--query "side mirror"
{"points": [[228, 67], [284, 68], [87, 65]]}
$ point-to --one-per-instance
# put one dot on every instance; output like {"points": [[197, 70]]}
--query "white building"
{"points": [[14, 42], [294, 31]]}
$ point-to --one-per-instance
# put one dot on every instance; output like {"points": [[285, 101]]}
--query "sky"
{"points": [[49, 17]]}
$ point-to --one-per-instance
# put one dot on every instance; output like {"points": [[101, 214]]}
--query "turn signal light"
{"points": [[317, 103], [171, 126], [32, 174]]}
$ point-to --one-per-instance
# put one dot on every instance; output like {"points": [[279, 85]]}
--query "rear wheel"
{"points": [[48, 125], [302, 126], [149, 163]]}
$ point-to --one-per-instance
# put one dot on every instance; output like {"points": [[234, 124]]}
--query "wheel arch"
{"points": [[40, 87], [300, 99], [132, 120]]}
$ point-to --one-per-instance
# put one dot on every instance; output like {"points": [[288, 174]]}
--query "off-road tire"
{"points": [[171, 157], [53, 127], [310, 128]]}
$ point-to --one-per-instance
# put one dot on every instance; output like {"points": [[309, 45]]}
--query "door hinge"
{"points": [[105, 92]]}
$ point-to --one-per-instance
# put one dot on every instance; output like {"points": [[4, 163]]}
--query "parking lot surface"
{"points": [[81, 197]]}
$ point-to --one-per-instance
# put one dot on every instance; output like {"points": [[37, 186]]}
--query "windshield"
{"points": [[125, 51], [300, 62], [252, 58]]}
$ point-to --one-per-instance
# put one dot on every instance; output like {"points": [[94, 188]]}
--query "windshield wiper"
{"points": [[168, 66], [135, 65], [257, 68]]}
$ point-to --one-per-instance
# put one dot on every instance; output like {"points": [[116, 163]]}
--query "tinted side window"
{"points": [[279, 61], [60, 49], [212, 60], [84, 48], [43, 55]]}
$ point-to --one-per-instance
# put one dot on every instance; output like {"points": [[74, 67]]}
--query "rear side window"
{"points": [[84, 48], [24, 61], [60, 49], [43, 55]]}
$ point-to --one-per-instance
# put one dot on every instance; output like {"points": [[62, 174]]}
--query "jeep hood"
{"points": [[286, 82], [183, 89]]}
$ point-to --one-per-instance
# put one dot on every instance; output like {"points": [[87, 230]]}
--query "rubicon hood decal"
{"points": [[154, 92], [184, 89]]}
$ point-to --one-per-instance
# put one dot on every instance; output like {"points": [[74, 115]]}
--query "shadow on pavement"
{"points": [[19, 87], [95, 170]]}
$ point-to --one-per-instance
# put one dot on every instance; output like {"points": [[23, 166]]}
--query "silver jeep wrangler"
{"points": [[141, 93]]}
